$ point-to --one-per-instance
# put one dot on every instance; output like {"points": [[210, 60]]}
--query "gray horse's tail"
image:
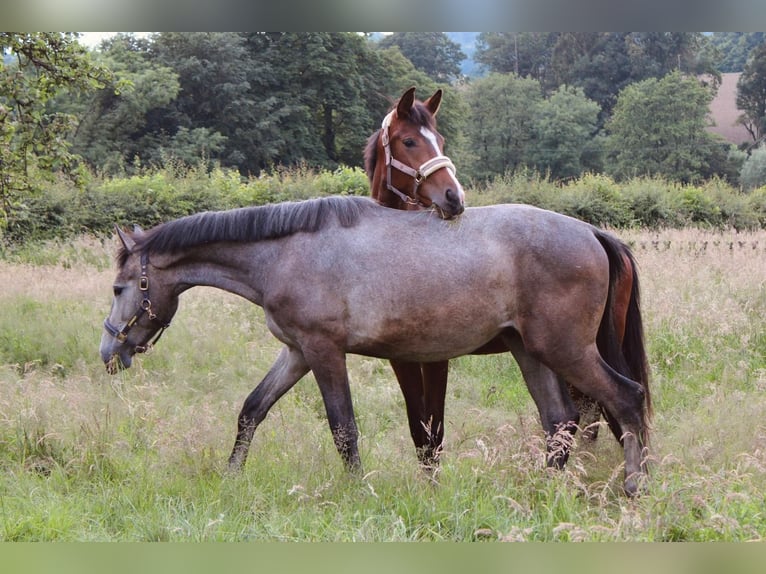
{"points": [[625, 352]]}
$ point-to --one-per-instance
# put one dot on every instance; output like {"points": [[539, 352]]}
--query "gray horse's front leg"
{"points": [[328, 363], [287, 370]]}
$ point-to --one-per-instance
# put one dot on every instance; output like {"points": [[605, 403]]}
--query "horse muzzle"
{"points": [[116, 357], [452, 206]]}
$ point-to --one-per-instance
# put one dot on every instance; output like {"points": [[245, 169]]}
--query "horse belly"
{"points": [[423, 338]]}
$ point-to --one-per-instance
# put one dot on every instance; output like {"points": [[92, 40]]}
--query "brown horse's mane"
{"points": [[419, 115], [248, 224]]}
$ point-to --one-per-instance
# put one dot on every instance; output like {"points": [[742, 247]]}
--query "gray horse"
{"points": [[324, 273]]}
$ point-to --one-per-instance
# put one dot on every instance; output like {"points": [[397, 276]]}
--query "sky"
{"points": [[93, 39]]}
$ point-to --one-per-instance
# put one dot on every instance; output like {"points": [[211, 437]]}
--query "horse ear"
{"points": [[127, 240], [405, 103], [434, 102]]}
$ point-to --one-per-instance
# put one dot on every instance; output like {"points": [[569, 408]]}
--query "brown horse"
{"points": [[408, 137], [537, 282]]}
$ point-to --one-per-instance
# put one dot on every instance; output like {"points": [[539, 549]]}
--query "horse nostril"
{"points": [[453, 197]]}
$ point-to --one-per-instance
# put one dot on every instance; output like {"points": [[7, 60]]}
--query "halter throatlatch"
{"points": [[144, 307], [419, 175]]}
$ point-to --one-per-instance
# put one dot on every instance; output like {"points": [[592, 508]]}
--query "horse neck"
{"points": [[236, 268]]}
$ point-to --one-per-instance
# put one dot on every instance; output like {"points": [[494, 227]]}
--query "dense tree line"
{"points": [[563, 104], [731, 49]]}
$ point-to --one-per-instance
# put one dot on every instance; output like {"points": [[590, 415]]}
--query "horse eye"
{"points": [[409, 142], [117, 290]]}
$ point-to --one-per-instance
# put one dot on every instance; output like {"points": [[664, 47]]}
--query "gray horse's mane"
{"points": [[249, 224]]}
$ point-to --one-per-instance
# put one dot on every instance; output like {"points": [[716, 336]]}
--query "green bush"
{"points": [[155, 196], [757, 205], [647, 199], [652, 202], [522, 186], [597, 199], [695, 206], [735, 207]]}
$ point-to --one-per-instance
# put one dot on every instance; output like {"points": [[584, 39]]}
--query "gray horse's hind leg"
{"points": [[623, 399], [287, 370], [558, 414]]}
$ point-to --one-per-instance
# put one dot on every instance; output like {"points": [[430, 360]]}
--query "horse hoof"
{"points": [[634, 485]]}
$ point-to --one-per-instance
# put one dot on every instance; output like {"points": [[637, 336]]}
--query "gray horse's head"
{"points": [[142, 307]]}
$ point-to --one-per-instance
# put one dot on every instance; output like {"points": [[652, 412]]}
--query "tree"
{"points": [[116, 123], [751, 94], [658, 128], [394, 74], [36, 67], [327, 74], [605, 63], [753, 173], [247, 100], [216, 75], [500, 123], [564, 126], [734, 48], [432, 52], [524, 54]]}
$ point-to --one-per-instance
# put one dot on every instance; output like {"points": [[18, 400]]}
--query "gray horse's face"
{"points": [[142, 308]]}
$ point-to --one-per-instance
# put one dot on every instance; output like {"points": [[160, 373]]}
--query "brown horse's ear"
{"points": [[404, 105], [127, 240], [434, 102]]}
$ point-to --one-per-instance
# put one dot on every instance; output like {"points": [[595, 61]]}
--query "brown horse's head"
{"points": [[405, 162]]}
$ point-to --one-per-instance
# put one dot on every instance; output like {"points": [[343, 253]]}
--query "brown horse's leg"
{"points": [[434, 392], [287, 370], [424, 388], [590, 413]]}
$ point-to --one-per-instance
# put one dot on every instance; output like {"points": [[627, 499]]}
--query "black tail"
{"points": [[629, 357]]}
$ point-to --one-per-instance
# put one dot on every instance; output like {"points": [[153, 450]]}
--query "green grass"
{"points": [[141, 456]]}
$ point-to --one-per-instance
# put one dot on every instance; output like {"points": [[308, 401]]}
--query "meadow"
{"points": [[140, 456]]}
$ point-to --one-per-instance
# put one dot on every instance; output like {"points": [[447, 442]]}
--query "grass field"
{"points": [[141, 455]]}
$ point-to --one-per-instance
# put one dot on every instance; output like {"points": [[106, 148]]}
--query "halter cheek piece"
{"points": [[419, 175], [145, 307]]}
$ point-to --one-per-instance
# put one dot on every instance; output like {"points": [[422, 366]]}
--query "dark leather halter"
{"points": [[145, 307], [419, 175]]}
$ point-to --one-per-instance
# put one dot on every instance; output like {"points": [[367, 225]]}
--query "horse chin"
{"points": [[448, 213], [116, 363]]}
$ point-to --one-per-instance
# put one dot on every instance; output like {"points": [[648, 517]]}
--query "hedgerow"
{"points": [[64, 211]]}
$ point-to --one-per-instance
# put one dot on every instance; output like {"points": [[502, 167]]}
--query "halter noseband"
{"points": [[419, 175], [144, 307]]}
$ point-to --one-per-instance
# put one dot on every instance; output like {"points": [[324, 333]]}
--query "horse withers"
{"points": [[323, 273]]}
